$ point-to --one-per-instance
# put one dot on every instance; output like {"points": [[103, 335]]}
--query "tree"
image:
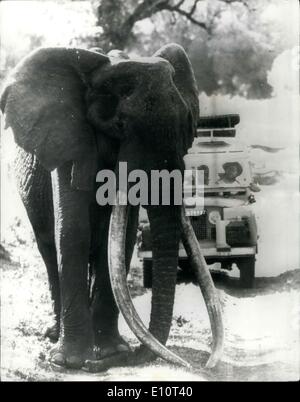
{"points": [[118, 17], [231, 44], [230, 47]]}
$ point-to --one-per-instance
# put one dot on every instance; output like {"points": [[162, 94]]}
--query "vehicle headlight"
{"points": [[214, 216]]}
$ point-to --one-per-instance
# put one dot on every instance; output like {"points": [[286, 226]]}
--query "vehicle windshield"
{"points": [[219, 170]]}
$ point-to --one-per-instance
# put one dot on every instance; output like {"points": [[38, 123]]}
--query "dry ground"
{"points": [[262, 326]]}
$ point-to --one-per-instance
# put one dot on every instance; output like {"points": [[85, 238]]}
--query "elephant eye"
{"points": [[125, 89], [106, 106]]}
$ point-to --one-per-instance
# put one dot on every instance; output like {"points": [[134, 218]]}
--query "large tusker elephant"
{"points": [[74, 112]]}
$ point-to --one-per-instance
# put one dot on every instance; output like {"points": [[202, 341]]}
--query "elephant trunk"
{"points": [[117, 272], [165, 235], [166, 227]]}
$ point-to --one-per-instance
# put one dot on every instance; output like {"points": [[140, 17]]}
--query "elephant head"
{"points": [[83, 107]]}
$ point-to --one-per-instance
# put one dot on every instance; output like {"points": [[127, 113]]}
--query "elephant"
{"points": [[74, 112]]}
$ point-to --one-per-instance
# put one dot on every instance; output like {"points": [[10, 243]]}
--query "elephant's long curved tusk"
{"points": [[117, 272], [207, 287]]}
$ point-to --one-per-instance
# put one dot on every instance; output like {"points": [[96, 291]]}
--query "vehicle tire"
{"points": [[147, 273], [247, 271]]}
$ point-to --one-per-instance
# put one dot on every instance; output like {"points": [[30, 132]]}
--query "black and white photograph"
{"points": [[150, 193]]}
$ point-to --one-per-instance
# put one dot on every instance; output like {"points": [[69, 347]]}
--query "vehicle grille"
{"points": [[199, 224], [238, 234]]}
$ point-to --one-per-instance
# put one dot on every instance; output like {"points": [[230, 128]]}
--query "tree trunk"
{"points": [[113, 17]]}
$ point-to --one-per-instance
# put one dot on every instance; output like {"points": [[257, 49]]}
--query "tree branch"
{"points": [[147, 8], [179, 3], [244, 2], [194, 7], [119, 32], [187, 14], [190, 14]]}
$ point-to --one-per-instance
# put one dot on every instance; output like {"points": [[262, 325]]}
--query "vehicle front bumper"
{"points": [[209, 250]]}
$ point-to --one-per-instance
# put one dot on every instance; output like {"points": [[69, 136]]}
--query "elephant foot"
{"points": [[109, 345], [53, 332], [142, 355], [71, 354], [124, 358]]}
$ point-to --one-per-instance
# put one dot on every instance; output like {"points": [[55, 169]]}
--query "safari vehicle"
{"points": [[225, 226]]}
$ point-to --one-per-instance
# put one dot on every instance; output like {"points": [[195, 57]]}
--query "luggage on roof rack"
{"points": [[220, 121]]}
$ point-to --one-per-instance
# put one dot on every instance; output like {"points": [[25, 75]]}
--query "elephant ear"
{"points": [[44, 104], [184, 80]]}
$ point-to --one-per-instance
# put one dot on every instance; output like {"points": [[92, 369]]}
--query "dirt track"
{"points": [[262, 339]]}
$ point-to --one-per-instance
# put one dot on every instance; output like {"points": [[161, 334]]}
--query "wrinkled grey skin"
{"points": [[74, 112]]}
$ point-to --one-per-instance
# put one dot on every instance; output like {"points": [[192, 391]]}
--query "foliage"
{"points": [[235, 50], [232, 43]]}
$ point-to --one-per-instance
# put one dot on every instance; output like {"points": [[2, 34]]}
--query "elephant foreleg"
{"points": [[72, 237]]}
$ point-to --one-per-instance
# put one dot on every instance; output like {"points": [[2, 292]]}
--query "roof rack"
{"points": [[219, 121]]}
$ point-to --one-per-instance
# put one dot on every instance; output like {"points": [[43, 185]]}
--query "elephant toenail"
{"points": [[52, 333], [74, 362], [58, 358], [123, 348], [107, 351]]}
